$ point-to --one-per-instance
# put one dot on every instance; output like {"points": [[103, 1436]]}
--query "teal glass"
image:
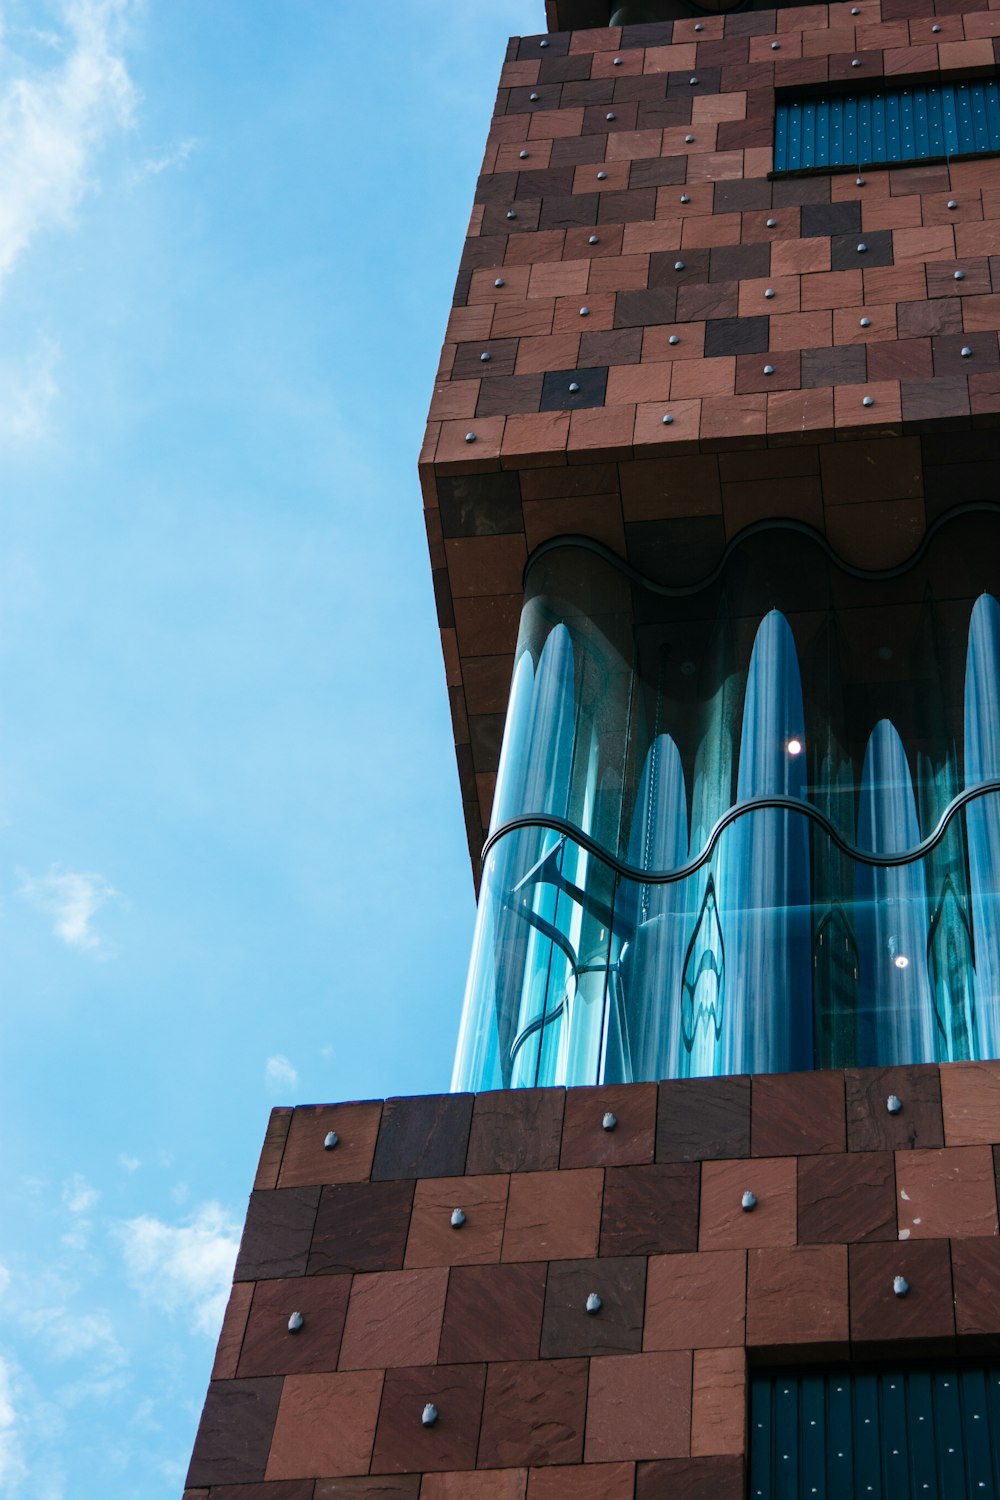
{"points": [[749, 824]]}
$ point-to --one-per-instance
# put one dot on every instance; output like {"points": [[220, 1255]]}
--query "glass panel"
{"points": [[750, 825]]}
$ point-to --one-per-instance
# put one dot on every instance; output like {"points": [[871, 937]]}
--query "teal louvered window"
{"points": [[886, 126]]}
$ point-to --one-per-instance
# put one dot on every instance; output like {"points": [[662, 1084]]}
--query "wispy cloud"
{"points": [[54, 119], [72, 898], [187, 1266], [28, 389], [77, 1194], [153, 166], [280, 1074], [13, 1467]]}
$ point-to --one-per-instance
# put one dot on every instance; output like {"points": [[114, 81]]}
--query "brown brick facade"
{"points": [[537, 1398], [627, 173]]}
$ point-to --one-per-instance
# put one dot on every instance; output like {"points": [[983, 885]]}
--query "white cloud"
{"points": [[280, 1074], [152, 166], [13, 1468], [77, 1194], [54, 119], [187, 1267], [72, 898], [28, 390], [4, 1279], [129, 1163]]}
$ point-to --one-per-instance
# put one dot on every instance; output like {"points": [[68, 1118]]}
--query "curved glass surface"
{"points": [[749, 825]]}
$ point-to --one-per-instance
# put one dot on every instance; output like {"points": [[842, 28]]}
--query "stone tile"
{"points": [[650, 1210], [534, 1413], [556, 393], [975, 1267], [326, 1425], [382, 1487], [234, 1434], [394, 1318], [797, 1114], [849, 1198], [553, 1215], [269, 1348], [582, 1482], [586, 1143], [281, 1489], [870, 1126], [946, 1193], [691, 1478], [479, 504], [729, 336], [830, 218], [424, 1136], [493, 1313], [798, 1295], [276, 1236], [639, 1406], [970, 1101], [404, 1444], [234, 1324], [568, 1329], [696, 1301], [433, 1241], [273, 1148], [845, 255], [361, 1227], [724, 1223], [927, 1311], [487, 1484], [718, 1402], [703, 1118], [306, 1160]]}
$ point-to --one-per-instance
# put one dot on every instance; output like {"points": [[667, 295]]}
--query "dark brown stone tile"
{"points": [[404, 1444], [585, 1142], [739, 262], [382, 1487], [612, 346], [277, 1233], [493, 1313], [724, 336], [831, 218], [269, 1348], [674, 268], [568, 1329], [509, 395], [920, 320], [690, 1479], [534, 1413], [234, 1324], [717, 300], [846, 256], [567, 211], [516, 1130], [637, 309], [361, 1227], [907, 359], [927, 1311], [975, 1266], [480, 504], [797, 1114], [870, 1126], [280, 1489], [845, 1199], [843, 365], [469, 364], [273, 1148], [650, 1210], [234, 1434], [424, 1136], [949, 360], [703, 1119], [930, 400], [306, 1160], [634, 205], [557, 396], [663, 171]]}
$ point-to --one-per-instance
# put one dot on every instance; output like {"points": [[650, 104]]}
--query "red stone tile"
{"points": [[270, 1349], [361, 1227], [947, 1193], [534, 1413], [404, 1445], [273, 1148], [601, 432], [847, 1198], [696, 1300], [718, 1402], [725, 1225], [635, 383], [307, 1161], [480, 565], [234, 1324], [585, 1141], [798, 1295], [384, 1487], [976, 1270], [553, 1215], [434, 1241], [325, 1425], [797, 1114], [970, 1101], [493, 1313], [394, 1318], [925, 1314], [535, 438], [277, 1234], [487, 1484], [654, 436], [582, 1482], [639, 1406], [691, 1478], [801, 415], [452, 447]]}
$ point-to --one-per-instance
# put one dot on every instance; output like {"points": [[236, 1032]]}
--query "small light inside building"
{"points": [[794, 747], [901, 961]]}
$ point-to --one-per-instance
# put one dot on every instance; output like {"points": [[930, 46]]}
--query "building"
{"points": [[711, 486]]}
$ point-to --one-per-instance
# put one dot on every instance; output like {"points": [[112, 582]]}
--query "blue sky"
{"points": [[233, 865]]}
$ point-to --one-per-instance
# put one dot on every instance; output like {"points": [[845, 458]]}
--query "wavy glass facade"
{"points": [[750, 824]]}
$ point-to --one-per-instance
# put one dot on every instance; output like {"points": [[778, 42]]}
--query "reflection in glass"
{"points": [[717, 842]]}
